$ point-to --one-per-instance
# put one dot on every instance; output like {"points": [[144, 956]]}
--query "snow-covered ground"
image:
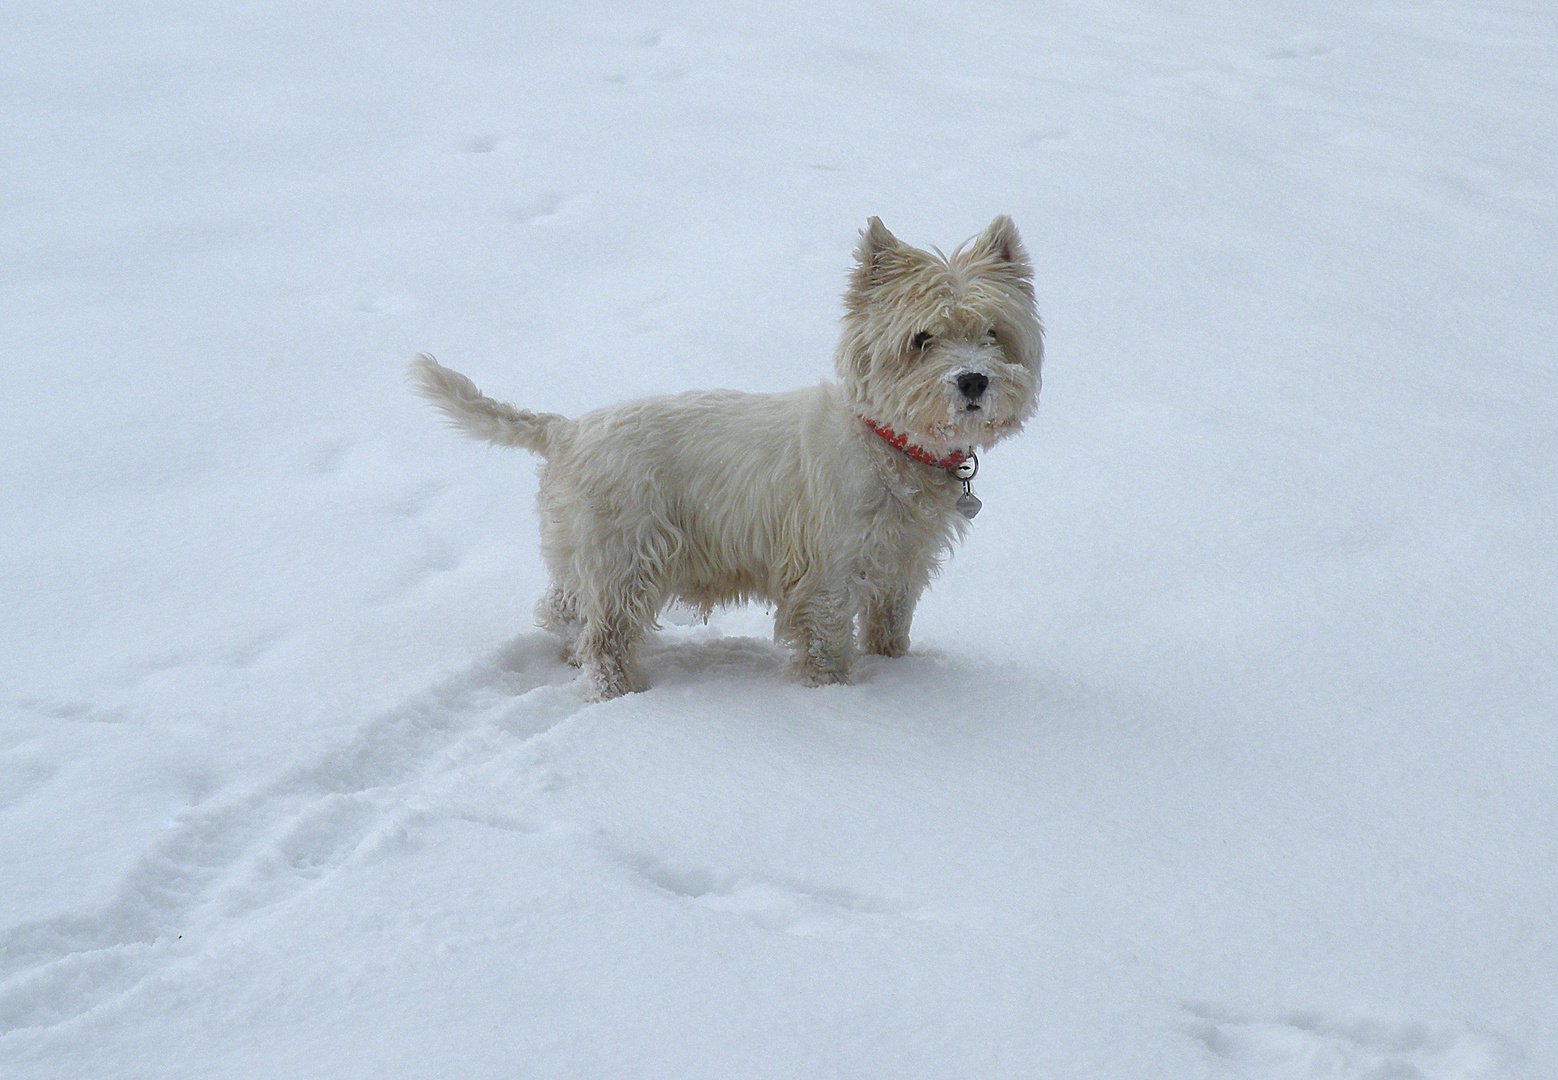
{"points": [[1229, 744]]}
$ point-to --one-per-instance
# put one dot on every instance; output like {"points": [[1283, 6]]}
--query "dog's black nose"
{"points": [[971, 385]]}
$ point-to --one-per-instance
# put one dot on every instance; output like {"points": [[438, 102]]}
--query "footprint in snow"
{"points": [[1317, 1047], [414, 499], [636, 36], [786, 907], [328, 456], [225, 860], [1298, 49], [538, 208]]}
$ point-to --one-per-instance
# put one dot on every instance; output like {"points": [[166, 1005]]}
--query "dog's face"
{"points": [[944, 349]]}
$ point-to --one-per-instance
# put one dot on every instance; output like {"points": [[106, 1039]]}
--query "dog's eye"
{"points": [[920, 340], [991, 335]]}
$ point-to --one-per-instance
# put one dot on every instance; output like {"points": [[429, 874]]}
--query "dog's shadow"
{"points": [[679, 658], [672, 655], [678, 655]]}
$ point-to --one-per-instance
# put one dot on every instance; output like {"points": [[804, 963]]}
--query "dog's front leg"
{"points": [[821, 630], [884, 624]]}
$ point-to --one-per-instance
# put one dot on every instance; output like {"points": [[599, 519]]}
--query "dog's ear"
{"points": [[1000, 241], [875, 241], [876, 249]]}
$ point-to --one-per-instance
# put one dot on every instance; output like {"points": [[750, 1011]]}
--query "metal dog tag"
{"points": [[968, 503]]}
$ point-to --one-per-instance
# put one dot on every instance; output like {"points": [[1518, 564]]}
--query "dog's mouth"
{"points": [[972, 406]]}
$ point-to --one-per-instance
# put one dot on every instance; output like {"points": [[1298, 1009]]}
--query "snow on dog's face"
{"points": [[944, 349]]}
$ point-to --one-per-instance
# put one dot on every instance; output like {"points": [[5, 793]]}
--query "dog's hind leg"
{"points": [[611, 579], [617, 610], [613, 627], [605, 653], [558, 612]]}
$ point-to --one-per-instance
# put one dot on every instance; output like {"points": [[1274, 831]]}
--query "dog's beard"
{"points": [[919, 396]]}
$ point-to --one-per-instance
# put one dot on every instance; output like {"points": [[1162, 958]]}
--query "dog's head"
{"points": [[944, 349]]}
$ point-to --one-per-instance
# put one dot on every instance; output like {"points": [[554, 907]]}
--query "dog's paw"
{"points": [[605, 680], [885, 646], [808, 673]]}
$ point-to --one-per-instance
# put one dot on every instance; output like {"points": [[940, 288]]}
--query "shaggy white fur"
{"points": [[717, 497]]}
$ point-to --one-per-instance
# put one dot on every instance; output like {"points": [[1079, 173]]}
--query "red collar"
{"points": [[918, 453]]}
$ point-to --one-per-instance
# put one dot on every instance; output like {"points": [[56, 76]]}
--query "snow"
{"points": [[1228, 743]]}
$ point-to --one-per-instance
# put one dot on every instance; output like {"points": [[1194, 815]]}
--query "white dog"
{"points": [[830, 503]]}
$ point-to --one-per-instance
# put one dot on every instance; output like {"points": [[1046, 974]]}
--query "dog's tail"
{"points": [[478, 415]]}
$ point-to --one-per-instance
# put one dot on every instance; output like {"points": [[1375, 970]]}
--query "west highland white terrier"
{"points": [[830, 503]]}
